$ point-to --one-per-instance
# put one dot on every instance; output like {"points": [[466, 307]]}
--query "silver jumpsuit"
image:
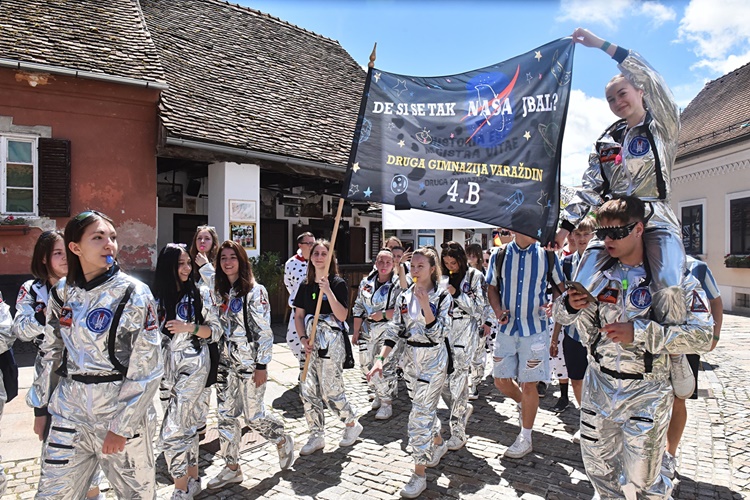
{"points": [[638, 162], [425, 365], [185, 374], [6, 342], [246, 346], [28, 326], [627, 395], [468, 308], [324, 384], [95, 397], [485, 343], [377, 297], [295, 272]]}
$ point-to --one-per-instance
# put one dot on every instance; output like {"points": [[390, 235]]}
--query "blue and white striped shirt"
{"points": [[702, 273], [523, 288]]}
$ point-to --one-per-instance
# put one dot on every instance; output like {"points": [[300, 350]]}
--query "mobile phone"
{"points": [[503, 317], [574, 285]]}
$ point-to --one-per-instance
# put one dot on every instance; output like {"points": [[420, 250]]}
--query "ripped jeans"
{"points": [[525, 359]]}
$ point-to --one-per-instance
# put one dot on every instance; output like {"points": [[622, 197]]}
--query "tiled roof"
{"points": [[719, 113], [242, 78], [99, 36]]}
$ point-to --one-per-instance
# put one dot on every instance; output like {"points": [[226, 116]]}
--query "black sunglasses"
{"points": [[615, 232]]}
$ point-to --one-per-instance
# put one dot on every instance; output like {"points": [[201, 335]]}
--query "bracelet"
{"points": [[381, 358], [195, 330], [301, 337], [605, 46], [716, 338]]}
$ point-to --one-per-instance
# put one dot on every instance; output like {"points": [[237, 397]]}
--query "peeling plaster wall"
{"points": [[113, 133]]}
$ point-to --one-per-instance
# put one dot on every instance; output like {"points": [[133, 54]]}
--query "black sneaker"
{"points": [[561, 405], [541, 389]]}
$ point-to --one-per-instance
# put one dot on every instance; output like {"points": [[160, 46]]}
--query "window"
{"points": [[739, 223], [18, 175], [692, 214]]}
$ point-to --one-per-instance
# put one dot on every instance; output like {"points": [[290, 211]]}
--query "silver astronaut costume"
{"points": [[638, 162], [627, 395], [468, 308], [425, 364], [6, 342], [295, 272], [246, 346], [28, 326], [485, 342], [185, 374], [95, 397], [374, 297], [324, 383]]}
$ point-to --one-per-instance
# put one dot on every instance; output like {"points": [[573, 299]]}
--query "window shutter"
{"points": [[54, 177]]}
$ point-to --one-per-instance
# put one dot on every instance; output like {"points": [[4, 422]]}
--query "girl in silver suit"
{"points": [[101, 369], [246, 350], [372, 311], [465, 287], [6, 342], [187, 318], [48, 265], [423, 318]]}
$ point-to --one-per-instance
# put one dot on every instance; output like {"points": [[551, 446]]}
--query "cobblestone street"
{"points": [[714, 454]]}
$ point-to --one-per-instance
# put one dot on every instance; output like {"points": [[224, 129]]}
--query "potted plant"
{"points": [[11, 225], [737, 261], [268, 270]]}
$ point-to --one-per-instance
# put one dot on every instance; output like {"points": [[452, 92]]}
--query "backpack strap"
{"points": [[249, 333], [62, 370], [550, 266], [113, 330], [499, 259], [567, 267]]}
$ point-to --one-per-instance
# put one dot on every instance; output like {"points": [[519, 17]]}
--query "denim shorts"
{"points": [[525, 359]]}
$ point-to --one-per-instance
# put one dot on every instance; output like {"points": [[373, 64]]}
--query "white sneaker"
{"points": [[194, 486], [313, 444], [437, 453], [577, 437], [179, 494], [473, 394], [668, 465], [376, 403], [385, 412], [469, 411], [225, 477], [416, 485], [683, 379], [520, 448], [351, 433], [455, 443], [286, 452]]}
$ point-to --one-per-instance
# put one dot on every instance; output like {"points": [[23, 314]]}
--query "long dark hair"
{"points": [[167, 288], [43, 249], [74, 230], [333, 269], [475, 250], [211, 255], [245, 280], [456, 251]]}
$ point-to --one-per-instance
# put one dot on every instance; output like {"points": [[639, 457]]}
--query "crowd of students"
{"points": [[108, 343]]}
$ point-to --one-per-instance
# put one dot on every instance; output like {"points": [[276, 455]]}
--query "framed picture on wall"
{"points": [[407, 244], [169, 194], [242, 210], [426, 240], [244, 234]]}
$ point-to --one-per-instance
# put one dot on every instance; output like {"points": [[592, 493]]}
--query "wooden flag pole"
{"points": [[337, 221]]}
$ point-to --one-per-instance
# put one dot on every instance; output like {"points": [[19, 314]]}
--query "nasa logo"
{"points": [[399, 183], [235, 305], [640, 297], [383, 290], [98, 320], [490, 114], [466, 287], [184, 311], [639, 146]]}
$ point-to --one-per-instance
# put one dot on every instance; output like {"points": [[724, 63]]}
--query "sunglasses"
{"points": [[615, 232], [85, 215], [504, 232]]}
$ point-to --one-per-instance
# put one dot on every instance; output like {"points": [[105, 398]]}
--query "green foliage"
{"points": [[268, 270], [737, 261]]}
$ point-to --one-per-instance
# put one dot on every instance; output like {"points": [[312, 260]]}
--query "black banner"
{"points": [[483, 145]]}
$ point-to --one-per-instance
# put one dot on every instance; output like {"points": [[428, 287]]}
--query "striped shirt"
{"points": [[523, 287], [702, 273]]}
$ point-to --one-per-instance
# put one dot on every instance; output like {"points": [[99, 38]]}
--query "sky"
{"points": [[689, 42]]}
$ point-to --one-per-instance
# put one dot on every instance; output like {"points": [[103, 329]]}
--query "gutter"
{"points": [[75, 73], [245, 153]]}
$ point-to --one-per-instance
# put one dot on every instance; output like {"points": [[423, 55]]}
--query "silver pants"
{"points": [[455, 392], [238, 396], [324, 384], [385, 386], [425, 372], [623, 435], [666, 258], [479, 360], [73, 452], [184, 379]]}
